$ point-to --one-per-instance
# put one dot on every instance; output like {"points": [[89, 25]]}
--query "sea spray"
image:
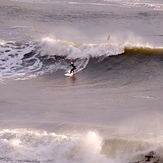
{"points": [[33, 146]]}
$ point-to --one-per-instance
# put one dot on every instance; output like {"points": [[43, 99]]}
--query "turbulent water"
{"points": [[110, 111]]}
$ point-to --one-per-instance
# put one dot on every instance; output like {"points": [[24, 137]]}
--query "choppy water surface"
{"points": [[110, 111]]}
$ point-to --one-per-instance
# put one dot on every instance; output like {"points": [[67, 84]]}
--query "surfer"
{"points": [[73, 67]]}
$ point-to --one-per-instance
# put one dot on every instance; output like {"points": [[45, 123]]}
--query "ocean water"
{"points": [[110, 111]]}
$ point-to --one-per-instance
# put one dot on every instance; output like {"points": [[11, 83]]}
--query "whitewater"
{"points": [[110, 111]]}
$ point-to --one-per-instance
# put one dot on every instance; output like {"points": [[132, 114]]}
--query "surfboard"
{"points": [[72, 74], [68, 74]]}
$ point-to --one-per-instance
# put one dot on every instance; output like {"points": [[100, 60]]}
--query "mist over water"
{"points": [[86, 21], [110, 111]]}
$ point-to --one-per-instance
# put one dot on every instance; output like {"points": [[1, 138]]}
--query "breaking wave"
{"points": [[24, 146], [30, 59]]}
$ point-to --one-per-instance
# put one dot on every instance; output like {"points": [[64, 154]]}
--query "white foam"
{"points": [[32, 146], [77, 50], [11, 58]]}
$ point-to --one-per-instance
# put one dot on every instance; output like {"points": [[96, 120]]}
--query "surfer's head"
{"points": [[71, 62]]}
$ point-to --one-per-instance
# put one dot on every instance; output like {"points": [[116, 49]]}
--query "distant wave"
{"points": [[48, 56], [122, 3]]}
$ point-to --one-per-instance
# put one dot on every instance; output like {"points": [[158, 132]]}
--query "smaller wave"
{"points": [[133, 150]]}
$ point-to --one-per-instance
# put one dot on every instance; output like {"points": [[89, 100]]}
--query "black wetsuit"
{"points": [[73, 68]]}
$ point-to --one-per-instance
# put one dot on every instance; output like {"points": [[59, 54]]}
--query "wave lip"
{"points": [[74, 50]]}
